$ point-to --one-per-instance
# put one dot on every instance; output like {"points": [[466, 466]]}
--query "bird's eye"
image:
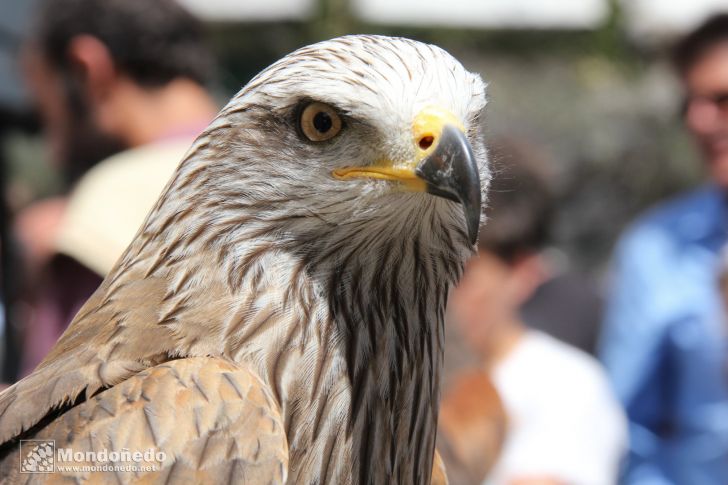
{"points": [[319, 122]]}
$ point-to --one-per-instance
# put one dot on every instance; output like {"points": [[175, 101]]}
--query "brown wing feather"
{"points": [[81, 360], [109, 340], [215, 421]]}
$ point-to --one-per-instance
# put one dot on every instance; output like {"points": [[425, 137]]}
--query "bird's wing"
{"points": [[125, 327], [214, 421]]}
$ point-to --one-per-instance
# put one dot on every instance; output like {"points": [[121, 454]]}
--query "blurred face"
{"points": [[75, 139], [485, 297], [50, 100], [706, 110]]}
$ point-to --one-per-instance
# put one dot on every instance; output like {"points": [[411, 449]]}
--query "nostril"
{"points": [[426, 142]]}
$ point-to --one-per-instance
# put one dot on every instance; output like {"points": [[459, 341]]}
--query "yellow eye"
{"points": [[320, 122]]}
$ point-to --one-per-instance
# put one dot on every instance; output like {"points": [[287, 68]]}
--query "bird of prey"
{"points": [[278, 317]]}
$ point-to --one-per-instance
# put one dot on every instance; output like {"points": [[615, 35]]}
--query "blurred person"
{"points": [[566, 303], [120, 87], [664, 340], [567, 306], [564, 425], [723, 276]]}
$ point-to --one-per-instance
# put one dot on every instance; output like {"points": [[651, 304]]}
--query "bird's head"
{"points": [[358, 130], [337, 196]]}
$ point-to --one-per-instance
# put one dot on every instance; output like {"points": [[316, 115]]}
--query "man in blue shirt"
{"points": [[664, 339]]}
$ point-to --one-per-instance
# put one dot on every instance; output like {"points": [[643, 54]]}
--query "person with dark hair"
{"points": [[564, 425], [664, 339], [121, 89], [112, 74]]}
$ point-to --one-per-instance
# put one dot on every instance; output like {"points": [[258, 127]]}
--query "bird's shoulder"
{"points": [[209, 420]]}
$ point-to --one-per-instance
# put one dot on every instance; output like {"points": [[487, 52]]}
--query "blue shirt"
{"points": [[664, 342]]}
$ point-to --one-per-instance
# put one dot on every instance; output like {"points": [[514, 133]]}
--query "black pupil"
{"points": [[322, 122]]}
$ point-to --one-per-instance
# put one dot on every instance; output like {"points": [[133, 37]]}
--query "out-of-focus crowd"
{"points": [[548, 381]]}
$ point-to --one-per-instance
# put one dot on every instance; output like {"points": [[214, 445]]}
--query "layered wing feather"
{"points": [[216, 422]]}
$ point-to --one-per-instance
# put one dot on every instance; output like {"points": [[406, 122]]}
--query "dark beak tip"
{"points": [[473, 229], [451, 171]]}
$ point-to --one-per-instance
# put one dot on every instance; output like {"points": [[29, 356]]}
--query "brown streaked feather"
{"points": [[215, 421], [127, 325]]}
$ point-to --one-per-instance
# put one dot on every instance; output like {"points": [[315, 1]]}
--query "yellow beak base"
{"points": [[427, 125]]}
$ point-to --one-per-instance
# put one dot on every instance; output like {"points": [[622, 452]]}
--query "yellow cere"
{"points": [[428, 123]]}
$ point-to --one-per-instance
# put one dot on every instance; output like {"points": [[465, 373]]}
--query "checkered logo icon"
{"points": [[37, 456]]}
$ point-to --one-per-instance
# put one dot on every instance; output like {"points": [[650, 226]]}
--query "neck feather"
{"points": [[343, 320]]}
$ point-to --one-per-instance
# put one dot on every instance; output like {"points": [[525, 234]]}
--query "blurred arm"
{"points": [[472, 427], [634, 337]]}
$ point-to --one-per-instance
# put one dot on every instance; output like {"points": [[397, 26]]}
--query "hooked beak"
{"points": [[451, 171], [444, 165]]}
